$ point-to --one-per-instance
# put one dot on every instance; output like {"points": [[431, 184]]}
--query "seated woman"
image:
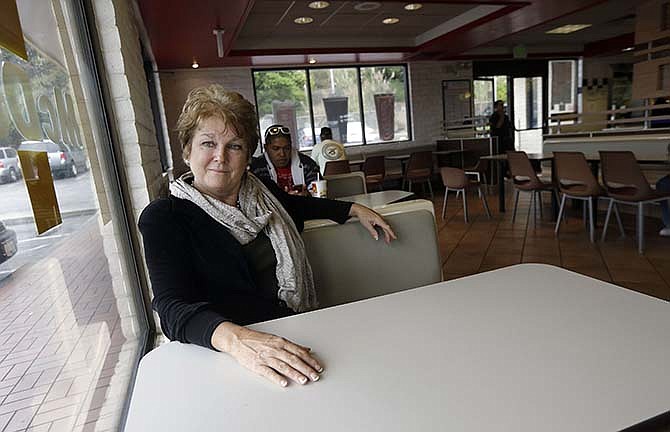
{"points": [[224, 249]]}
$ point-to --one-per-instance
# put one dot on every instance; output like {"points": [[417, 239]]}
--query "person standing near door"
{"points": [[501, 127]]}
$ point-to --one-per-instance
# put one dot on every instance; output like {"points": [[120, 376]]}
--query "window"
{"points": [[362, 105], [81, 324], [562, 86]]}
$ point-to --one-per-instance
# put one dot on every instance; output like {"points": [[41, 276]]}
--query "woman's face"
{"points": [[218, 160]]}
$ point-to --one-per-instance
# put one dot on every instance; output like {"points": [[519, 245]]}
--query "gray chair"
{"points": [[340, 185], [348, 265]]}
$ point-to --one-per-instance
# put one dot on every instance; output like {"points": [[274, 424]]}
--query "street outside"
{"points": [[77, 204]]}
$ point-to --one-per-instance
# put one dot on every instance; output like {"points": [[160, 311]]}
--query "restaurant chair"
{"points": [[479, 171], [454, 179], [336, 167], [525, 179], [374, 169], [575, 180], [348, 266], [340, 185], [420, 169], [626, 184]]}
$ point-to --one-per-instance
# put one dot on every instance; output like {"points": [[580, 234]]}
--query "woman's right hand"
{"points": [[273, 357]]}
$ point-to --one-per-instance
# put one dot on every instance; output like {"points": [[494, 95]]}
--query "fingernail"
{"points": [[376, 237], [303, 380], [284, 383], [319, 369], [315, 377]]}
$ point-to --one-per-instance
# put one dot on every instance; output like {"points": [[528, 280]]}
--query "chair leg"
{"points": [[539, 197], [640, 228], [560, 213], [584, 215], [618, 219], [607, 220], [516, 204], [444, 206], [591, 223], [409, 185], [482, 195], [465, 206], [430, 189]]}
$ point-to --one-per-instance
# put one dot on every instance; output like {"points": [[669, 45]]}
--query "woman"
{"points": [[224, 249]]}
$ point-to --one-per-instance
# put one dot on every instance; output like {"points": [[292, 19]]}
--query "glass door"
{"points": [[527, 113]]}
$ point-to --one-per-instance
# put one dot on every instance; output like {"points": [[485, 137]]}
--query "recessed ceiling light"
{"points": [[303, 20], [195, 64], [570, 28], [390, 20], [312, 61], [319, 4], [367, 6], [628, 49], [413, 6]]}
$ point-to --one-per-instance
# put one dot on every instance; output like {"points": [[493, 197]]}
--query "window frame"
{"points": [[357, 67]]}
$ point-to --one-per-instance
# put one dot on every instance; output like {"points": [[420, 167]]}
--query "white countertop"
{"points": [[526, 348]]}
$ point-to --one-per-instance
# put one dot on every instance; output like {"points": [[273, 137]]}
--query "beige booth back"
{"points": [[349, 265], [340, 185]]}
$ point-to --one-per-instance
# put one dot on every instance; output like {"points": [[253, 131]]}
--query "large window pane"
{"points": [[72, 326], [282, 98], [385, 103], [336, 104]]}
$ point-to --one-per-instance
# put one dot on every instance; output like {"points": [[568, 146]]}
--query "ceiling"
{"points": [[262, 32]]}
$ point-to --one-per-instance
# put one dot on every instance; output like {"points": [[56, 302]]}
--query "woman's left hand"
{"points": [[370, 219]]}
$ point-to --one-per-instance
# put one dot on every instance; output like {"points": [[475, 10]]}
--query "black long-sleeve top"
{"points": [[199, 273]]}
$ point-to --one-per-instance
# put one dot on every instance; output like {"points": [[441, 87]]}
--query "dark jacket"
{"points": [[199, 274], [259, 166]]}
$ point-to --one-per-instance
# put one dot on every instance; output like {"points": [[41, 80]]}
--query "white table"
{"points": [[377, 199], [526, 348]]}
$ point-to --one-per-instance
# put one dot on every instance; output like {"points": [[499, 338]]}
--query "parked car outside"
{"points": [[10, 168], [64, 160], [8, 243]]}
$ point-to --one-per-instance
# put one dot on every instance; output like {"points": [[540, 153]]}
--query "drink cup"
{"points": [[318, 189]]}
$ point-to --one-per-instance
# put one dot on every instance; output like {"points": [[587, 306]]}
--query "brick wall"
{"points": [[123, 65]]}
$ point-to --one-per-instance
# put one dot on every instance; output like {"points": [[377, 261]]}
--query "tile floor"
{"points": [[69, 338]]}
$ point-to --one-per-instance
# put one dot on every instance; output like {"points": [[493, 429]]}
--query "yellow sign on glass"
{"points": [[40, 184], [11, 35]]}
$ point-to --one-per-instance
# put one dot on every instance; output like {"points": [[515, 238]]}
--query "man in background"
{"points": [[328, 149], [283, 164], [501, 127]]}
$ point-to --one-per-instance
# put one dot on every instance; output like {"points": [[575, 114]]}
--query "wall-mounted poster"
{"points": [[456, 102]]}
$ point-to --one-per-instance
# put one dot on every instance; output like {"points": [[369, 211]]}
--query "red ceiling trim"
{"points": [[609, 46], [440, 40], [308, 51], [238, 27]]}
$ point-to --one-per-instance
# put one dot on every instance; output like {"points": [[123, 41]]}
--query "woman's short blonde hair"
{"points": [[215, 101]]}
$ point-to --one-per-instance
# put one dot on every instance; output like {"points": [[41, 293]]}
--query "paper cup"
{"points": [[318, 189]]}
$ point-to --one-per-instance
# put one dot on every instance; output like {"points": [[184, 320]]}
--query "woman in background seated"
{"points": [[224, 249]]}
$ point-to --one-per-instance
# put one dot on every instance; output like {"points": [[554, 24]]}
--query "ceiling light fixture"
{"points": [[303, 20], [628, 49], [195, 64], [390, 20], [312, 61], [413, 6], [570, 28], [318, 4]]}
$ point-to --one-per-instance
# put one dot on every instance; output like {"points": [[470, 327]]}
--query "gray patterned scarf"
{"points": [[259, 210]]}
